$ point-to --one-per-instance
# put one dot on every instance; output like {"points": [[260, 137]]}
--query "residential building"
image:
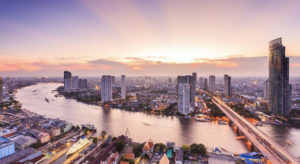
{"points": [[67, 80], [178, 155], [83, 83], [123, 87], [106, 88], [1, 90], [202, 83], [188, 79], [7, 147], [227, 85], [212, 81], [184, 98], [279, 87], [74, 82]]}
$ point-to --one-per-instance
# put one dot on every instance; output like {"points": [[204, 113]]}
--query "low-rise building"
{"points": [[23, 141], [7, 147]]}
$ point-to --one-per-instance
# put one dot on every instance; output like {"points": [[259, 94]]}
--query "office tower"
{"points": [[212, 81], [74, 82], [279, 87], [1, 90], [195, 77], [205, 84], [67, 80], [188, 79], [184, 98], [82, 83], [123, 87], [106, 88], [227, 85], [266, 89], [202, 83]]}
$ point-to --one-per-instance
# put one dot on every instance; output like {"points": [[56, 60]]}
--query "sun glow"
{"points": [[180, 55]]}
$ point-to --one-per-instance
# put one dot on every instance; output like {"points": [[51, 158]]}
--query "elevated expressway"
{"points": [[273, 151]]}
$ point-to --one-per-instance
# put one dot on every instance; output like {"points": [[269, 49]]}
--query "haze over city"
{"points": [[90, 38]]}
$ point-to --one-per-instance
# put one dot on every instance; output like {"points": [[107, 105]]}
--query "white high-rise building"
{"points": [[211, 83], [184, 98], [227, 85], [106, 88], [123, 87], [74, 82]]}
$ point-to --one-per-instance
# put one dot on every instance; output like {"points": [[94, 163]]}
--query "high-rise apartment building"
{"points": [[188, 79], [67, 80], [205, 84], [227, 85], [123, 87], [74, 82], [1, 90], [82, 83], [211, 82], [201, 83], [279, 87], [106, 88], [184, 98]]}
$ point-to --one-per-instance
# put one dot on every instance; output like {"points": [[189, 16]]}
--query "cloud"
{"points": [[134, 66]]}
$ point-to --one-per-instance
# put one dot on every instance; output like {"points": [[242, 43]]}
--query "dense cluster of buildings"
{"points": [[186, 89], [73, 83]]}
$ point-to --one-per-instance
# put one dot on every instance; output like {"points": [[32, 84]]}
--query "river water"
{"points": [[143, 126]]}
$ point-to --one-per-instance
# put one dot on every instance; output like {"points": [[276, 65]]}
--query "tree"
{"points": [[193, 148], [95, 140], [159, 147], [198, 149], [186, 149], [138, 149], [201, 149], [103, 133], [120, 145]]}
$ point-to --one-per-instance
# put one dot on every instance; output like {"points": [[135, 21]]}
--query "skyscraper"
{"points": [[1, 90], [188, 79], [202, 83], [106, 88], [67, 80], [279, 87], [266, 89], [74, 82], [82, 83], [205, 84], [123, 87], [227, 85], [212, 81], [184, 98]]}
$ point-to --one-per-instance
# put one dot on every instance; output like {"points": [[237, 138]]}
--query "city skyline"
{"points": [[95, 37]]}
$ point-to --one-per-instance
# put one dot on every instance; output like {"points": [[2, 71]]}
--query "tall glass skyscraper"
{"points": [[279, 87]]}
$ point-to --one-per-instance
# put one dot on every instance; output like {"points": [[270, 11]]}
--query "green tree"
{"points": [[186, 149], [120, 145], [95, 140], [103, 133], [138, 149]]}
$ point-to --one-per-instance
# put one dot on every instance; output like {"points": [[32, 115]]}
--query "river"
{"points": [[143, 126]]}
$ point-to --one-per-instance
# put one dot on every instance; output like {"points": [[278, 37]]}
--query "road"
{"points": [[275, 153]]}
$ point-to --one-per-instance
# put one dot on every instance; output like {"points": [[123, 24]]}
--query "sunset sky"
{"points": [[145, 37]]}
